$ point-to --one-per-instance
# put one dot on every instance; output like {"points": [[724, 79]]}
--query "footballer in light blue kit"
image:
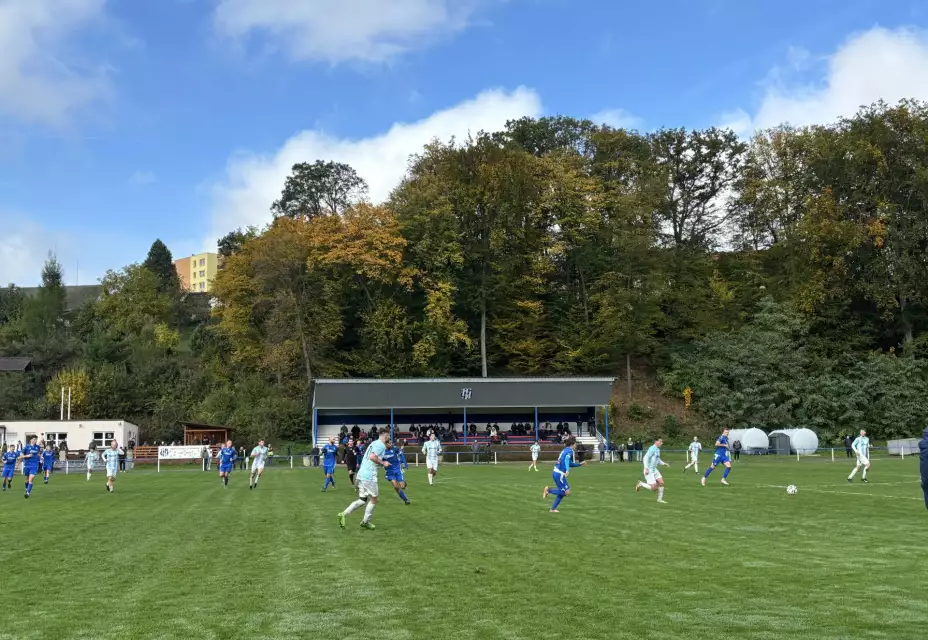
{"points": [[227, 457], [394, 474], [9, 459], [367, 481], [721, 457], [861, 447], [329, 458], [653, 480], [565, 462], [259, 456], [48, 462], [31, 454]]}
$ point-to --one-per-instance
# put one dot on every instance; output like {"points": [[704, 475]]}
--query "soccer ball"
{"points": [[792, 490]]}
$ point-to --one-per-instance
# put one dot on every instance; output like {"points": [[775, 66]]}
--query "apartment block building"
{"points": [[197, 272]]}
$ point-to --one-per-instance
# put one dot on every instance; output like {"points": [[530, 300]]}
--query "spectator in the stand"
{"points": [[630, 450], [736, 449], [473, 430], [638, 448], [242, 457], [375, 433], [356, 432], [848, 451]]}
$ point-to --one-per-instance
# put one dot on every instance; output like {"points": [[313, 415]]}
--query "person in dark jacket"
{"points": [[923, 464], [848, 441]]}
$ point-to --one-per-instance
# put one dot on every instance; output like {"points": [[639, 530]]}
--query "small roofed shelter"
{"points": [[456, 401], [198, 433], [15, 365]]}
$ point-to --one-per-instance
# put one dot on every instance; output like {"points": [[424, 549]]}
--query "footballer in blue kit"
{"points": [[720, 457], [227, 457], [329, 458], [9, 459], [394, 473], [31, 454], [565, 462], [48, 462]]}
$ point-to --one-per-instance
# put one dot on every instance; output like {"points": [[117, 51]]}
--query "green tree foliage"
{"points": [[161, 263], [318, 189], [782, 279]]}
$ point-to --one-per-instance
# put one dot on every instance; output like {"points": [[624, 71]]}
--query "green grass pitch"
{"points": [[174, 555]]}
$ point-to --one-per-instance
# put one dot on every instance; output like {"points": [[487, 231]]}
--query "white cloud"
{"points": [[887, 64], [617, 119], [36, 85], [142, 178], [365, 30], [253, 181]]}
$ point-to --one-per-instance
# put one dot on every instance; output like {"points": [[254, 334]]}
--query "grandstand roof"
{"points": [[17, 365], [447, 393]]}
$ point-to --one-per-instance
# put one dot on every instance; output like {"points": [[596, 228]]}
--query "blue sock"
{"points": [[726, 472], [708, 471], [556, 492], [557, 501], [28, 487], [403, 495]]}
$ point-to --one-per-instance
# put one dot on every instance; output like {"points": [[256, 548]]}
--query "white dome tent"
{"points": [[755, 441], [802, 441], [736, 434]]}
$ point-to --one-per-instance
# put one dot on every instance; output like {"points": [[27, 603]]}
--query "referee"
{"points": [[351, 460]]}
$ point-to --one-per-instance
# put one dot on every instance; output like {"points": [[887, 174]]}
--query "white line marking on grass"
{"points": [[848, 493]]}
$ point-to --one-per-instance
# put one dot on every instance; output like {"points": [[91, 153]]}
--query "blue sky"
{"points": [[122, 121]]}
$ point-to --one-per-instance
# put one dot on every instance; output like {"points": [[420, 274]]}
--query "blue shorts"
{"points": [[720, 458], [560, 481], [31, 471], [226, 468], [396, 477], [328, 469], [47, 467], [8, 473]]}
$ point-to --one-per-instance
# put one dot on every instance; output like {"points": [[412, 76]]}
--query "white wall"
{"points": [[78, 433]]}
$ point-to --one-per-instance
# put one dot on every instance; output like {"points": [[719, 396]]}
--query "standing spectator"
{"points": [[923, 464], [355, 432], [736, 448], [848, 451], [122, 459], [630, 450], [205, 455], [638, 449], [242, 458], [475, 447]]}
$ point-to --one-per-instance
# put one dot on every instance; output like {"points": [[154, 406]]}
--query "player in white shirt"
{"points": [[367, 481], [693, 455], [432, 450], [535, 449], [861, 447], [258, 455], [90, 460], [652, 477], [111, 457]]}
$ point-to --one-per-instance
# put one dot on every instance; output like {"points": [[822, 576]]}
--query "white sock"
{"points": [[643, 485], [863, 474], [853, 473], [431, 479], [88, 475], [354, 505], [660, 492], [369, 511], [696, 467]]}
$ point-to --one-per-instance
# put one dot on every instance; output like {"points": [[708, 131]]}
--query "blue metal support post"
{"points": [[536, 423], [391, 425], [315, 426], [465, 425], [607, 423]]}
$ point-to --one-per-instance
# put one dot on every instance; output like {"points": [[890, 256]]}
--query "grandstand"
{"points": [[452, 403]]}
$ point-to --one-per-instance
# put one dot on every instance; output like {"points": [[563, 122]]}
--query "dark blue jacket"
{"points": [[923, 464]]}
